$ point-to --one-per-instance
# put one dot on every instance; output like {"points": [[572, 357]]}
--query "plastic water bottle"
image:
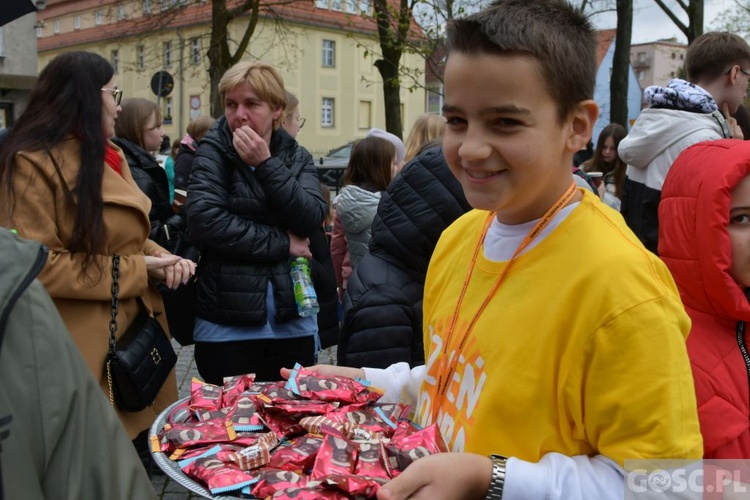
{"points": [[304, 292]]}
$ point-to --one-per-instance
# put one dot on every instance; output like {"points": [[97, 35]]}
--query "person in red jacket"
{"points": [[704, 239]]}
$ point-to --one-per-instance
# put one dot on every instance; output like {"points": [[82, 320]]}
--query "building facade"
{"points": [[18, 67], [655, 63], [324, 50]]}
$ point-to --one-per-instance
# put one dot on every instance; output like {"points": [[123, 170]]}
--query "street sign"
{"points": [[162, 84]]}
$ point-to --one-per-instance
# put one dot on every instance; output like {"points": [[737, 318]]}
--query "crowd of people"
{"points": [[558, 306]]}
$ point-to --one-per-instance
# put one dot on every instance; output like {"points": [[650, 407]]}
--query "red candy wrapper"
{"points": [[356, 486], [211, 431], [277, 392], [205, 396], [218, 476], [180, 414], [232, 388], [336, 456], [308, 494], [404, 451], [244, 414], [371, 461], [311, 385], [299, 455], [272, 480]]}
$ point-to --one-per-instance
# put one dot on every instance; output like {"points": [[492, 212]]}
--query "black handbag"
{"points": [[139, 362]]}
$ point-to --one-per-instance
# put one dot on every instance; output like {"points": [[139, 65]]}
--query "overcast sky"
{"points": [[650, 23]]}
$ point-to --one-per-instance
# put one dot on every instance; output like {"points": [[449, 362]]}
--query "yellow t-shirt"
{"points": [[581, 350]]}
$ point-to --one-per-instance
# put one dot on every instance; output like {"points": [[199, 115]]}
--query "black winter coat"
{"points": [[183, 164], [167, 228], [382, 321], [239, 217]]}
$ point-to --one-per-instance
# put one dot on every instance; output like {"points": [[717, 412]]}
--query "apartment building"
{"points": [[324, 49], [18, 67], [655, 63]]}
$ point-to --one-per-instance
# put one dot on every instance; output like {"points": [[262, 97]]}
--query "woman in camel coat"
{"points": [[66, 185]]}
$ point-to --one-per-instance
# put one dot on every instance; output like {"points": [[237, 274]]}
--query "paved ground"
{"points": [[165, 488]]}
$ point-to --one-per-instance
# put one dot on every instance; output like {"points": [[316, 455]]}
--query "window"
{"points": [[140, 57], [195, 50], [329, 53], [56, 26], [352, 6], [641, 76], [167, 53], [146, 7], [364, 6], [120, 12], [337, 5], [77, 22], [326, 112], [98, 18], [321, 4], [671, 74], [168, 110], [641, 57], [365, 113], [674, 55], [164, 5], [682, 56], [435, 100], [38, 31], [115, 58]]}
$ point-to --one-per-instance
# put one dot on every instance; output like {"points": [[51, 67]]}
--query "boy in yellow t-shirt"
{"points": [[553, 338]]}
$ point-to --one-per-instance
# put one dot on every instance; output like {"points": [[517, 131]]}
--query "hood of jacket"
{"points": [[357, 207], [136, 155], [418, 205], [693, 237], [658, 129], [28, 258]]}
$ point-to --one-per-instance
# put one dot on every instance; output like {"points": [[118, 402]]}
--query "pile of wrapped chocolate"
{"points": [[309, 437]]}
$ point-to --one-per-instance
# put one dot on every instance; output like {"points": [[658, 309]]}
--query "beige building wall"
{"points": [[352, 84], [656, 63], [18, 67]]}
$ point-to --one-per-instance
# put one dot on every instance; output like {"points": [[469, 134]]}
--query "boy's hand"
{"points": [[442, 476], [330, 370], [734, 127]]}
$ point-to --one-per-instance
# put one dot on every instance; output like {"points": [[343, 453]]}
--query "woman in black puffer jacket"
{"points": [[382, 321], [138, 133], [253, 202]]}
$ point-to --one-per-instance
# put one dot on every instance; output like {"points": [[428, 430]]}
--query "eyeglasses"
{"points": [[301, 121], [116, 94]]}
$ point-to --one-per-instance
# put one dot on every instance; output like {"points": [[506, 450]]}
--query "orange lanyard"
{"points": [[444, 381]]}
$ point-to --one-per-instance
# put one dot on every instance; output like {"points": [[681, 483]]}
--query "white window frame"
{"points": [[77, 22], [39, 32], [146, 7], [167, 46], [196, 49], [322, 4], [140, 57], [98, 18], [328, 54], [352, 6], [56, 26], [327, 108], [120, 12], [337, 5], [115, 60], [365, 7]]}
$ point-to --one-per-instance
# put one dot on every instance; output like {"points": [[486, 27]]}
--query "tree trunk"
{"points": [[391, 96], [391, 46], [618, 84], [695, 15], [218, 53]]}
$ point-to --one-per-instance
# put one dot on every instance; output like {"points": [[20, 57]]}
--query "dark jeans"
{"points": [[216, 360]]}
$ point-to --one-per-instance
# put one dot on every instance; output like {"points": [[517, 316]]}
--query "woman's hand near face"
{"points": [[171, 269], [299, 247], [251, 147]]}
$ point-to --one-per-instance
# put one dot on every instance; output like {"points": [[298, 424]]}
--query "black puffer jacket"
{"points": [[382, 321], [166, 226], [240, 217], [183, 165]]}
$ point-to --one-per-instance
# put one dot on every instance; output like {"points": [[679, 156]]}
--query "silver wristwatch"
{"points": [[498, 478]]}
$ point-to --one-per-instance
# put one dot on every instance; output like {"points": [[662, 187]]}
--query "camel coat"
{"points": [[39, 211]]}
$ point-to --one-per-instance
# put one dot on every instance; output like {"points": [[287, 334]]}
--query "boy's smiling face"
{"points": [[504, 140]]}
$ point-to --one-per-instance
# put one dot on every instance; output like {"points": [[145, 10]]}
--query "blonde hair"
{"points": [[291, 104], [263, 78], [426, 128], [198, 127]]}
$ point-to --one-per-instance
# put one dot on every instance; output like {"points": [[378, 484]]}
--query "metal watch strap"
{"points": [[498, 478]]}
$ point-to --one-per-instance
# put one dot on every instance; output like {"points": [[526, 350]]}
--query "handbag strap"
{"points": [[113, 323]]}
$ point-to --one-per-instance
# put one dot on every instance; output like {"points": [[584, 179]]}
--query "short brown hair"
{"points": [[262, 77], [131, 122], [712, 54], [198, 126], [370, 163], [553, 32]]}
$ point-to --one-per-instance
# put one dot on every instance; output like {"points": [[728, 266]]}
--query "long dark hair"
{"points": [[66, 101], [370, 164], [615, 169]]}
